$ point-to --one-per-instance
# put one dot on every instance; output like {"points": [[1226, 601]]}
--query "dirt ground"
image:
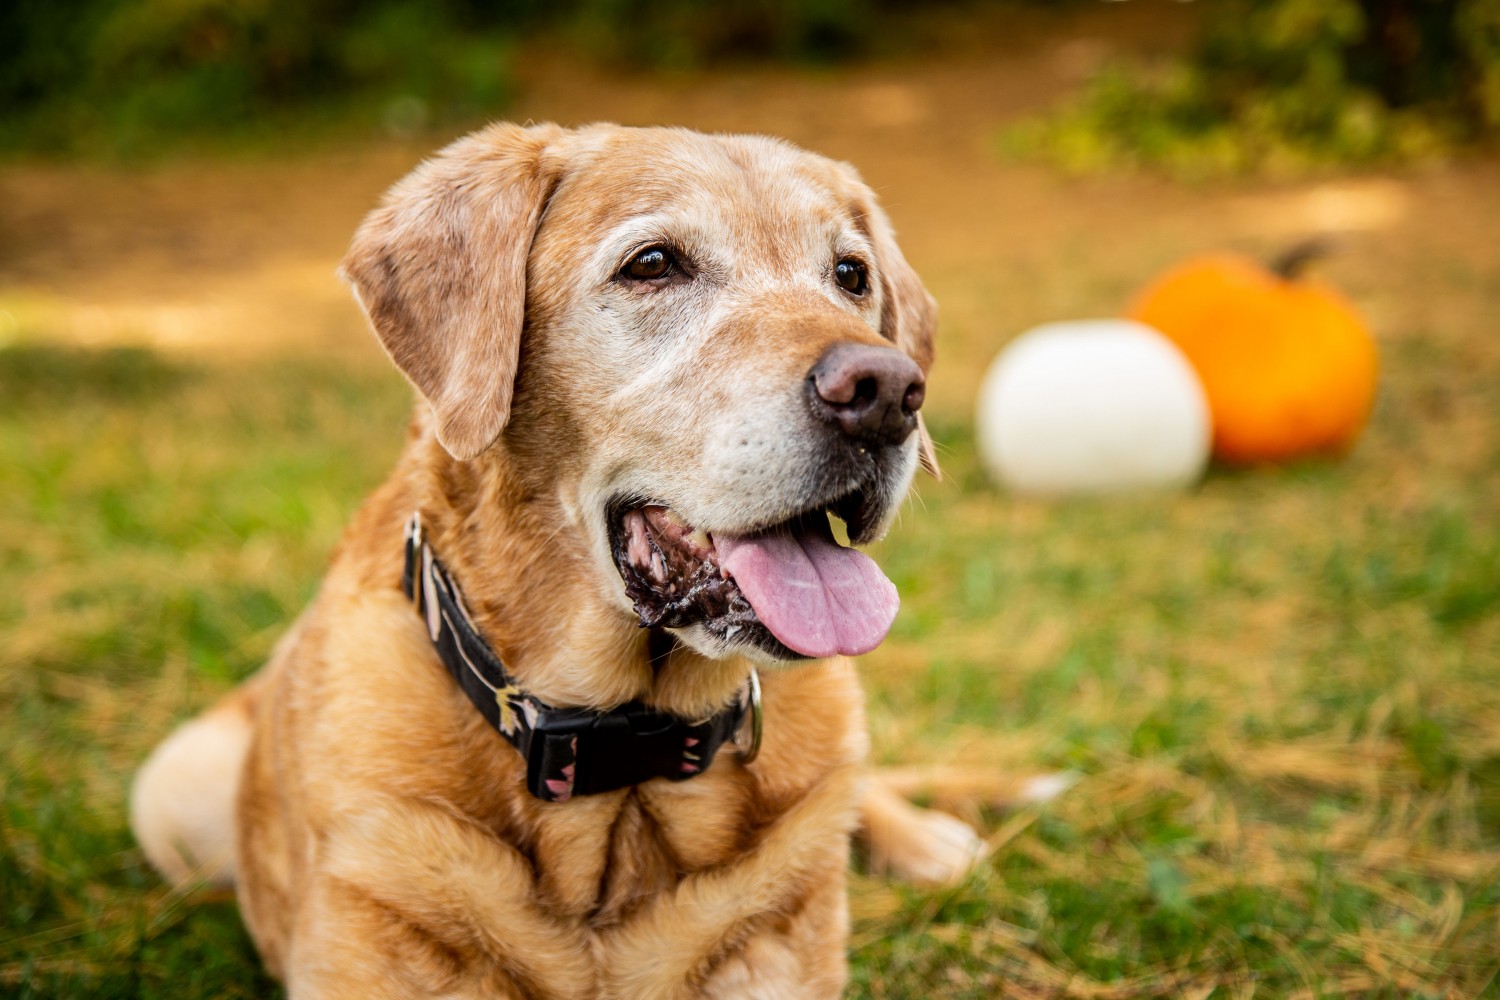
{"points": [[232, 255]]}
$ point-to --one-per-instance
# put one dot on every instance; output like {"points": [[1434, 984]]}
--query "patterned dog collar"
{"points": [[568, 751]]}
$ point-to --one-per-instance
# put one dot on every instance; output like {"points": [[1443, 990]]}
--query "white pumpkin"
{"points": [[1092, 406]]}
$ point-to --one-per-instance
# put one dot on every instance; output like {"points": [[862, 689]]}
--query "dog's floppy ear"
{"points": [[440, 270], [908, 315]]}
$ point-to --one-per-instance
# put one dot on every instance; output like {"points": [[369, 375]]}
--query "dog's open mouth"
{"points": [[792, 589]]}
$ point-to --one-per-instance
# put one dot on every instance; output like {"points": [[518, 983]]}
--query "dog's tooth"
{"points": [[673, 518], [637, 548], [700, 538]]}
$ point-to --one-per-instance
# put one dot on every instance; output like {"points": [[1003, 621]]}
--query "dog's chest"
{"points": [[639, 862], [602, 860]]}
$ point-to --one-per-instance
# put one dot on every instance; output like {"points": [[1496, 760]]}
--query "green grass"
{"points": [[1278, 689], [159, 525]]}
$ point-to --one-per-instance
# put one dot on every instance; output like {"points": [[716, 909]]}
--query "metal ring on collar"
{"points": [[749, 755]]}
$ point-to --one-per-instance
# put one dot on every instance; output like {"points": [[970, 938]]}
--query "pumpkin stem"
{"points": [[1292, 263]]}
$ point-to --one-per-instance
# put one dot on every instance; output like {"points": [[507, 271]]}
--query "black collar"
{"points": [[568, 751]]}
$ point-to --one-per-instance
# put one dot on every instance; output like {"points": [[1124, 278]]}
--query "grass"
{"points": [[1280, 695], [159, 524], [1278, 690]]}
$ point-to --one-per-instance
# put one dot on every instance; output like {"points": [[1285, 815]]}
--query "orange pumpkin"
{"points": [[1287, 364]]}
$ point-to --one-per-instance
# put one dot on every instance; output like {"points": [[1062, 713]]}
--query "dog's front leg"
{"points": [[407, 900], [712, 936]]}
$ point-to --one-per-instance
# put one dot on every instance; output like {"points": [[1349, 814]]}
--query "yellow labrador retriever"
{"points": [[519, 745]]}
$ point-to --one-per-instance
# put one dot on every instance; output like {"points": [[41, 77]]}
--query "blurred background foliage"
{"points": [[121, 75], [1282, 86], [117, 75], [1279, 85]]}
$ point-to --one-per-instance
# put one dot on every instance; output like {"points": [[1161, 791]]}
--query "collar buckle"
{"points": [[568, 751], [577, 752]]}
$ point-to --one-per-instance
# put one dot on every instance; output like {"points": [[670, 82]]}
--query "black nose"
{"points": [[871, 394]]}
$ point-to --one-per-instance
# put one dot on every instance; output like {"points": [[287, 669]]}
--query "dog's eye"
{"points": [[649, 264], [851, 276]]}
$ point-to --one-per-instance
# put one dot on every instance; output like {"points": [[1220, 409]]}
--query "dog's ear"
{"points": [[440, 270], [908, 314]]}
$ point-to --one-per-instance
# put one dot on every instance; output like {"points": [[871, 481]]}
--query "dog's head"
{"points": [[703, 344]]}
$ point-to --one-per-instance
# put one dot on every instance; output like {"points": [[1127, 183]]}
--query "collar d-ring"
{"points": [[755, 719]]}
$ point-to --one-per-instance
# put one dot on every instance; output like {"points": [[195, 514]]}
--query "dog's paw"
{"points": [[918, 845], [941, 851], [930, 847]]}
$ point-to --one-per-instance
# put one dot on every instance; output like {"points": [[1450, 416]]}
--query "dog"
{"points": [[573, 714]]}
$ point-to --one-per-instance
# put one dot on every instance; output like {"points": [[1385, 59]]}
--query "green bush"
{"points": [[1284, 86], [680, 33], [121, 74], [111, 75]]}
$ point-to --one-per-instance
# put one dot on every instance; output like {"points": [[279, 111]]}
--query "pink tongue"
{"points": [[816, 596]]}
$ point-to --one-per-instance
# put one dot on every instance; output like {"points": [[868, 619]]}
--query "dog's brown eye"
{"points": [[850, 274], [650, 263]]}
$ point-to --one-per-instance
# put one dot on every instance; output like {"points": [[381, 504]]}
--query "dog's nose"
{"points": [[870, 393]]}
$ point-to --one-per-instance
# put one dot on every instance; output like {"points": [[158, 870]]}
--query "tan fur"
{"points": [[182, 800], [384, 842]]}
